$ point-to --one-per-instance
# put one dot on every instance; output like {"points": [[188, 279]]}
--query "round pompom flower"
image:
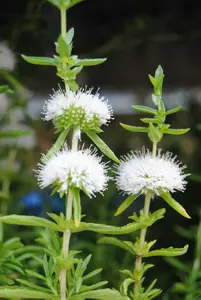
{"points": [[7, 57], [80, 110], [139, 172], [82, 169]]}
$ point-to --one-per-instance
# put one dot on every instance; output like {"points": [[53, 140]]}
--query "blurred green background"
{"points": [[135, 36]]}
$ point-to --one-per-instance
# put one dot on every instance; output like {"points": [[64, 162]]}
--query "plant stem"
{"points": [[67, 232], [138, 262], [69, 196], [63, 22], [154, 149], [63, 34]]}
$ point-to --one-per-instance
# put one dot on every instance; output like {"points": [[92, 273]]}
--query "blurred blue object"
{"points": [[37, 203]]}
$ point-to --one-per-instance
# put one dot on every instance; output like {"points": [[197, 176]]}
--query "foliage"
{"points": [[60, 272], [188, 288]]}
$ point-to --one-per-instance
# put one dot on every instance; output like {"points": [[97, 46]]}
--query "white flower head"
{"points": [[139, 172], [80, 109], [82, 169], [27, 141], [7, 57]]}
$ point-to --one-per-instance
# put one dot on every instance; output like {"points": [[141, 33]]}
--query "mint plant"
{"points": [[68, 170], [188, 271], [154, 174], [72, 170]]}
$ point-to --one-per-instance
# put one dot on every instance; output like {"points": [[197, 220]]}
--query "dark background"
{"points": [[136, 36]]}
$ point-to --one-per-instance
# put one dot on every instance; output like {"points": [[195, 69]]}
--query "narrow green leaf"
{"points": [[11, 241], [15, 133], [155, 99], [78, 285], [90, 62], [150, 287], [152, 79], [115, 230], [173, 110], [39, 60], [73, 72], [63, 49], [23, 293], [32, 285], [134, 128], [73, 85], [154, 293], [158, 72], [176, 131], [167, 252], [73, 3], [57, 145], [174, 204], [125, 284], [102, 294], [91, 274], [35, 274], [4, 89], [150, 120], [145, 109], [127, 272], [108, 229], [146, 267], [102, 146], [29, 221], [161, 108], [115, 242], [27, 249], [155, 133], [159, 83], [125, 204], [94, 286], [57, 3], [70, 35], [86, 261], [14, 268], [76, 206]]}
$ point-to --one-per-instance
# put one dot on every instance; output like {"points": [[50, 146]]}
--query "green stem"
{"points": [[63, 34], [67, 233], [154, 149], [63, 22], [69, 197], [138, 262]]}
